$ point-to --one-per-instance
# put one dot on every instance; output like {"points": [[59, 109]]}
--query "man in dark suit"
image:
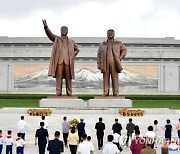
{"points": [[55, 146], [81, 129], [100, 127], [130, 129], [117, 127], [42, 136]]}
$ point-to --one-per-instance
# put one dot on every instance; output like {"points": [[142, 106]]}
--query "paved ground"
{"points": [[9, 120]]}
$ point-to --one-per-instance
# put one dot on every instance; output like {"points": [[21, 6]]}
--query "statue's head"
{"points": [[110, 34], [64, 31]]}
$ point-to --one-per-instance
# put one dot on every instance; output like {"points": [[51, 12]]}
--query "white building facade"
{"points": [[161, 52]]}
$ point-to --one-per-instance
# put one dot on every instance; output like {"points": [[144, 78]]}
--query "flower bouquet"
{"points": [[73, 123]]}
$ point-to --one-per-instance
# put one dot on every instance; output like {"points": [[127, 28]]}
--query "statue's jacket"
{"points": [[119, 51], [56, 52]]}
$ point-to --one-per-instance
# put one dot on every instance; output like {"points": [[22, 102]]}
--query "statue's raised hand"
{"points": [[45, 23]]}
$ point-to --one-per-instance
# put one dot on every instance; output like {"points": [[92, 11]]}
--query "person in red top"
{"points": [[137, 144]]}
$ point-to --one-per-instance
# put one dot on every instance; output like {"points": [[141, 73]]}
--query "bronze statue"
{"points": [[109, 56], [62, 59]]}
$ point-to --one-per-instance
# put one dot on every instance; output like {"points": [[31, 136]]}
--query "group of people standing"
{"points": [[148, 143], [138, 143], [76, 139], [19, 141]]}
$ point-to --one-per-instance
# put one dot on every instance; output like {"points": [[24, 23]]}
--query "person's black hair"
{"points": [[19, 134], [64, 118], [110, 138], [73, 130], [150, 128], [41, 124], [100, 119], [22, 117], [110, 30], [43, 117], [155, 122], [168, 121], [137, 132], [57, 133], [116, 119], [0, 131], [89, 138], [84, 136], [9, 132], [136, 127], [64, 27], [130, 119]]}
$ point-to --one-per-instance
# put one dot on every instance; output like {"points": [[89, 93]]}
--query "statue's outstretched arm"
{"points": [[50, 35]]}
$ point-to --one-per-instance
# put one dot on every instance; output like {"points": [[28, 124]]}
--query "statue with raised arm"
{"points": [[109, 56], [62, 59]]}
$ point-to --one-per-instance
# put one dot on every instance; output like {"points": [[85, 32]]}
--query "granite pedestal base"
{"points": [[110, 102], [63, 102], [74, 103]]}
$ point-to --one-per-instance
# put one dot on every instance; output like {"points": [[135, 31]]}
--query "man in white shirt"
{"points": [[85, 147], [22, 127], [110, 148], [116, 139], [151, 134], [45, 122], [155, 128]]}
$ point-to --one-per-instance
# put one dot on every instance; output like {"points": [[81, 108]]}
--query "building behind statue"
{"points": [[152, 65]]}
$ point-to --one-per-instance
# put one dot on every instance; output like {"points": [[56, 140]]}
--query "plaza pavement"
{"points": [[10, 117]]}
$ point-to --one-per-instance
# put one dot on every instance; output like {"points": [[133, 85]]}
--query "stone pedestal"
{"points": [[62, 97], [63, 102], [110, 102], [74, 102], [109, 97]]}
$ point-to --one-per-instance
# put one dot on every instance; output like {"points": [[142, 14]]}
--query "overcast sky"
{"points": [[91, 18]]}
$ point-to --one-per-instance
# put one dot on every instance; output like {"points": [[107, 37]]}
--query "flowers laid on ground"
{"points": [[39, 112], [73, 123], [133, 112], [83, 108]]}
